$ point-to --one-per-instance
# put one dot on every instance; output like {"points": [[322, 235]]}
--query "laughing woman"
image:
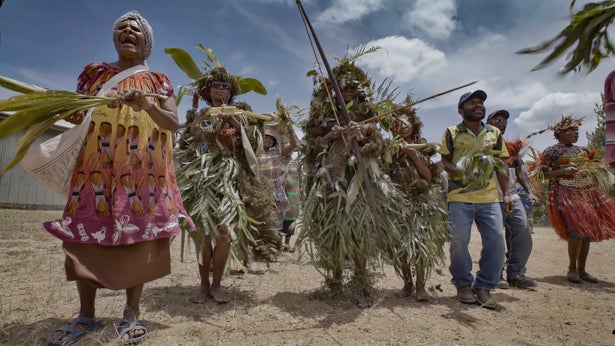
{"points": [[124, 202]]}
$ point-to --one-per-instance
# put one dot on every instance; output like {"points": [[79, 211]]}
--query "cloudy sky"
{"points": [[427, 46]]}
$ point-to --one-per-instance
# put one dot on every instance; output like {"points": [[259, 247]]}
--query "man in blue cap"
{"points": [[469, 138]]}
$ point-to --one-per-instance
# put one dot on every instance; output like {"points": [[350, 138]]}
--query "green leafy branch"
{"points": [[477, 169], [186, 63], [585, 39], [36, 110]]}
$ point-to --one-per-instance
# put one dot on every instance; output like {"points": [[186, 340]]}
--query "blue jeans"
{"points": [[518, 239], [488, 218]]}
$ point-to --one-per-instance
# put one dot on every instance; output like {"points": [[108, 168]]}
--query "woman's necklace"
{"points": [[565, 148]]}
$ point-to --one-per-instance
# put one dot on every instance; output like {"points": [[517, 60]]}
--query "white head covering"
{"points": [[148, 33]]}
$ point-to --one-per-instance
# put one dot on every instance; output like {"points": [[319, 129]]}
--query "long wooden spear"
{"points": [[342, 107], [377, 117]]}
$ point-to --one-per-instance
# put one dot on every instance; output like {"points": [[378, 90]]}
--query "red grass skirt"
{"points": [[585, 213]]}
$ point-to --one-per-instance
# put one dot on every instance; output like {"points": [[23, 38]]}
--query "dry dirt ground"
{"points": [[277, 308]]}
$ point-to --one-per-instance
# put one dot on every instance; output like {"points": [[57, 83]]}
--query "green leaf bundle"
{"points": [[36, 110]]}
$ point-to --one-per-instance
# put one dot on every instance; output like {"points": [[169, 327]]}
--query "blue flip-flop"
{"points": [[71, 329], [124, 330]]}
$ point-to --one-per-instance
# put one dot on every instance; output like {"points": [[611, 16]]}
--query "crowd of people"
{"points": [[359, 190]]}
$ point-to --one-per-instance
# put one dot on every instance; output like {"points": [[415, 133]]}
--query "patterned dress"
{"points": [[269, 164], [123, 190], [293, 189], [577, 208]]}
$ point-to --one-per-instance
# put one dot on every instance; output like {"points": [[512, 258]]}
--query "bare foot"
{"points": [[364, 302], [422, 295], [256, 271], [199, 296], [573, 277], [405, 291], [218, 295], [585, 276], [335, 302]]}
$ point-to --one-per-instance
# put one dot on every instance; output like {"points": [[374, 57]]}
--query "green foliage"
{"points": [[251, 84], [539, 211], [477, 169], [37, 110], [585, 39], [597, 139], [20, 87], [186, 63]]}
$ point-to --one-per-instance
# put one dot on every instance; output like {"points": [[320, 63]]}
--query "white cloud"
{"points": [[402, 59], [549, 109], [433, 18], [347, 10], [508, 95]]}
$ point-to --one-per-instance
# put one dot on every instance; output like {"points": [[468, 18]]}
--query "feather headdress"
{"points": [[567, 122]]}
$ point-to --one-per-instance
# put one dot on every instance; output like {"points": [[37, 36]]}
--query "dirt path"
{"points": [[276, 308]]}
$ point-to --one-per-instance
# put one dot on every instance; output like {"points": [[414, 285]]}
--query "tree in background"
{"points": [[597, 138]]}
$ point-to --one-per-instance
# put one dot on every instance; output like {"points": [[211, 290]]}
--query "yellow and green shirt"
{"points": [[459, 141]]}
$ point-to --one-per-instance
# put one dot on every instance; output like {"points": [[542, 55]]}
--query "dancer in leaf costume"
{"points": [[339, 218], [426, 227], [230, 202], [579, 211]]}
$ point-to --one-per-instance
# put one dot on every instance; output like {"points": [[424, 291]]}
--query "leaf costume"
{"points": [[338, 219], [425, 227], [222, 188]]}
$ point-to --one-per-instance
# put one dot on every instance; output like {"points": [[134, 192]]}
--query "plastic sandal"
{"points": [[71, 329], [124, 330]]}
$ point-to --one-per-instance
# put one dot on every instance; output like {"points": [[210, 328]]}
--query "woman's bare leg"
{"points": [[202, 292], [220, 256]]}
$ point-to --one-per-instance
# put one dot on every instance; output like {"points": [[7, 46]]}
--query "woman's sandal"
{"points": [[124, 331], [71, 329]]}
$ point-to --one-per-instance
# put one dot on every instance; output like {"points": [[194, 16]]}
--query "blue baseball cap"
{"points": [[479, 93], [501, 112]]}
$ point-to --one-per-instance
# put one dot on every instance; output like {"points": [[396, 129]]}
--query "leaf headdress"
{"points": [[212, 70]]}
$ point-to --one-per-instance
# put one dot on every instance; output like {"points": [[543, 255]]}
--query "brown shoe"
{"points": [[466, 295], [483, 297]]}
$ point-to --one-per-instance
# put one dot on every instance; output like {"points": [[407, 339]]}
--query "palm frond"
{"points": [[477, 170], [37, 110], [356, 54], [287, 115], [584, 39], [20, 87]]}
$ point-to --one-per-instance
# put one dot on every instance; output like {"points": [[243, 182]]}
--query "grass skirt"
{"points": [[581, 213]]}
